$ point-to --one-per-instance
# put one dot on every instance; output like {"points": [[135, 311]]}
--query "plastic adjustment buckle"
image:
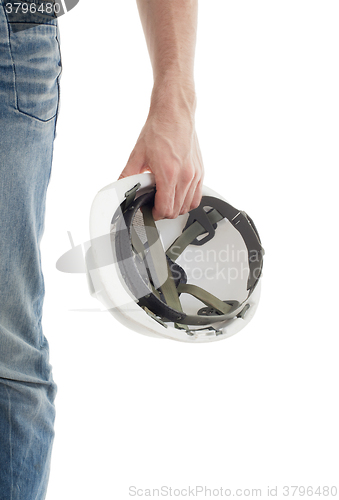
{"points": [[199, 215]]}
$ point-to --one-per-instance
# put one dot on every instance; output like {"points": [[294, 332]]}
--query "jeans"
{"points": [[30, 68]]}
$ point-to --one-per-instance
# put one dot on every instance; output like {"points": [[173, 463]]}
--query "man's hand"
{"points": [[168, 147], [168, 144]]}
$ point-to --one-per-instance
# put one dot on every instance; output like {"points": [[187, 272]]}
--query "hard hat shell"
{"points": [[219, 264]]}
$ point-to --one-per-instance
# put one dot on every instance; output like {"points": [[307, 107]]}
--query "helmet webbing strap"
{"points": [[191, 233], [200, 222], [129, 197], [168, 288], [160, 262], [140, 250], [207, 298], [144, 290], [162, 271]]}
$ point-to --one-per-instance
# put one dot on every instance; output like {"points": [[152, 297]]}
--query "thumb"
{"points": [[135, 164]]}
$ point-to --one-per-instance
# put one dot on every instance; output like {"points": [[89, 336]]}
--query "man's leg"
{"points": [[29, 95]]}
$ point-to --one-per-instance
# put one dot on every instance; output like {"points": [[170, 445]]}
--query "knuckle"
{"points": [[188, 174], [163, 210], [171, 174], [184, 210], [194, 204], [172, 215]]}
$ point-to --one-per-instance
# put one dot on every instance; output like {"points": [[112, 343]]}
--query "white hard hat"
{"points": [[195, 278]]}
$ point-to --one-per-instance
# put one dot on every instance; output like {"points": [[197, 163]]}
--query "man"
{"points": [[30, 66]]}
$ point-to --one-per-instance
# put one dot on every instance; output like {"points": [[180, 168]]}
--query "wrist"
{"points": [[174, 92]]}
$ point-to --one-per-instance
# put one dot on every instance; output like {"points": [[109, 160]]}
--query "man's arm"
{"points": [[168, 144]]}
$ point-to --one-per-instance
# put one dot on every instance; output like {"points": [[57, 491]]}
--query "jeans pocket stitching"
{"points": [[15, 77]]}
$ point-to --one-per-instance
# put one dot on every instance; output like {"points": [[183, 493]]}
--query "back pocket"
{"points": [[37, 68]]}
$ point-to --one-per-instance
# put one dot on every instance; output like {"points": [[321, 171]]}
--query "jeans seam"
{"points": [[10, 441], [58, 80], [11, 56], [30, 441]]}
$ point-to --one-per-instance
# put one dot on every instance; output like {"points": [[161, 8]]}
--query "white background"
{"points": [[261, 408]]}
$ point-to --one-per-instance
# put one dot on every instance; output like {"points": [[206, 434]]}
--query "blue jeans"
{"points": [[30, 68]]}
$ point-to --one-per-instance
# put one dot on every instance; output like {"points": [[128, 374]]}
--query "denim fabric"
{"points": [[30, 68]]}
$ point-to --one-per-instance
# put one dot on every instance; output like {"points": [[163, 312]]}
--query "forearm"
{"points": [[168, 144], [170, 28]]}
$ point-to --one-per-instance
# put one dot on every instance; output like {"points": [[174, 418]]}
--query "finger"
{"points": [[183, 188], [192, 198], [163, 201], [196, 200], [187, 202], [193, 195], [135, 164]]}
